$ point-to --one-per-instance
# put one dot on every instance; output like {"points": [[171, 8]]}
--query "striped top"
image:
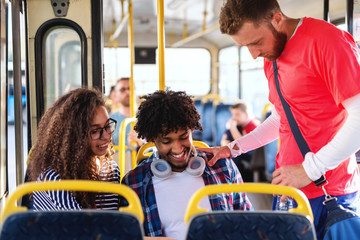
{"points": [[65, 200]]}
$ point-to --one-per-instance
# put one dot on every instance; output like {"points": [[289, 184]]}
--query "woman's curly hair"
{"points": [[163, 112], [63, 141]]}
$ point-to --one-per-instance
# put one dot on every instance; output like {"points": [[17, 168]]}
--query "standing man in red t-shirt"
{"points": [[319, 77]]}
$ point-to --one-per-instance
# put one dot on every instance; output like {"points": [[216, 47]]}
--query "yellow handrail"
{"points": [[132, 84], [121, 147], [266, 109], [161, 43], [140, 155], [134, 206], [300, 198], [195, 36], [213, 97], [200, 144], [132, 59]]}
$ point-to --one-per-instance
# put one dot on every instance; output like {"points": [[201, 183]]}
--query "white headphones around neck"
{"points": [[162, 169]]}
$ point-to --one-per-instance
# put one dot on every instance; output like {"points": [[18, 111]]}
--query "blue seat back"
{"points": [[69, 225], [207, 114], [21, 223], [271, 150], [221, 114], [197, 135], [242, 225]]}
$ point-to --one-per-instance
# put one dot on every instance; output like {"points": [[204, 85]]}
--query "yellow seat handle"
{"points": [[140, 155], [300, 198], [121, 147], [74, 185]]}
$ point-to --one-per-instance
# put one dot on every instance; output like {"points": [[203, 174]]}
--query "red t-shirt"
{"points": [[251, 125], [318, 69]]}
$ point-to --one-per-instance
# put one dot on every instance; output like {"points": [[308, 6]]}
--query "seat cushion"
{"points": [[250, 225], [85, 224]]}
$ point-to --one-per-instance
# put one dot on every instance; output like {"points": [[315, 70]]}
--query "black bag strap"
{"points": [[302, 144], [300, 141]]}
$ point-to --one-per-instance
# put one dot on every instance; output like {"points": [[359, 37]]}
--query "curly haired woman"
{"points": [[74, 142]]}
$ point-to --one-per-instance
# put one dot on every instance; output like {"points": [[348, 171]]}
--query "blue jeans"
{"points": [[350, 201]]}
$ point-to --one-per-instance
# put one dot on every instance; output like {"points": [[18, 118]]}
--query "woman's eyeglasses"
{"points": [[98, 132]]}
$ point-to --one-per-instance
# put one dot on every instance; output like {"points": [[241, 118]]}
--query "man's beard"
{"points": [[280, 42], [125, 103]]}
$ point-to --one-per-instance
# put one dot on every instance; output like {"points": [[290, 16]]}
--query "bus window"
{"points": [[253, 87], [187, 69], [62, 63], [229, 72]]}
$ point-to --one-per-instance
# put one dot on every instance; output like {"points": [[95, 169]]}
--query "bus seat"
{"points": [[263, 158], [197, 134], [200, 144], [18, 223], [271, 148], [144, 151], [271, 225], [207, 114], [266, 111], [122, 147], [221, 114]]}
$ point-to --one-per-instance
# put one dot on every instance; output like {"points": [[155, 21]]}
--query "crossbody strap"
{"points": [[300, 141], [302, 144]]}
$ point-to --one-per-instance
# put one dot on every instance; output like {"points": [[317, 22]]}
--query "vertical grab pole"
{"points": [[161, 43], [15, 10], [132, 85], [132, 54], [350, 16], [326, 10], [205, 13], [122, 9], [185, 25]]}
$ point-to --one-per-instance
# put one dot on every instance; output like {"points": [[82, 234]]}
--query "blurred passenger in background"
{"points": [[110, 102], [122, 97]]}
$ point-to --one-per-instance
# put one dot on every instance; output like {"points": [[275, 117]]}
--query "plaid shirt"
{"points": [[224, 171]]}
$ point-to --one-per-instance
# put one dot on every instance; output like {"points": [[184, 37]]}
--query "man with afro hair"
{"points": [[167, 179]]}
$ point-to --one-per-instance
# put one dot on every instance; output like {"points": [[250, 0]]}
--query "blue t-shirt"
{"points": [[115, 136]]}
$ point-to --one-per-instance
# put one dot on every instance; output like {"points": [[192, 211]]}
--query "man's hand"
{"points": [[291, 175], [232, 123], [218, 152], [132, 137]]}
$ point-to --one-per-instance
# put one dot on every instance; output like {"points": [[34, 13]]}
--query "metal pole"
{"points": [[350, 15], [132, 84], [161, 43], [326, 10], [132, 59], [15, 10], [239, 69]]}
